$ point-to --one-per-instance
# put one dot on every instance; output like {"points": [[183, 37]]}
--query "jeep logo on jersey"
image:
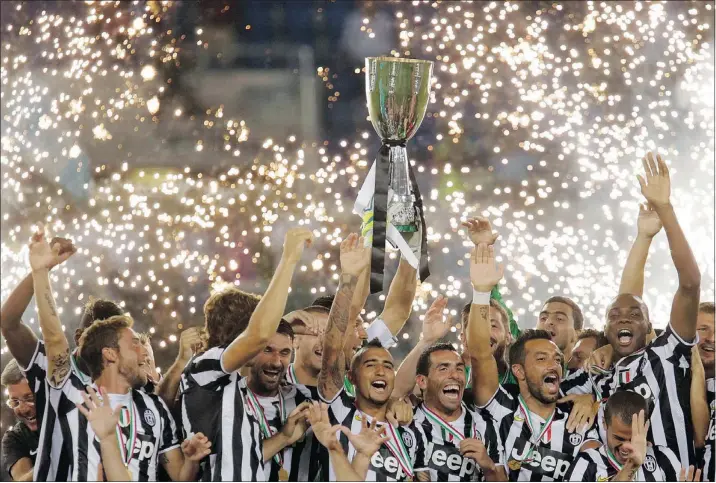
{"points": [[711, 434], [385, 463], [448, 461], [650, 463], [145, 447], [543, 461]]}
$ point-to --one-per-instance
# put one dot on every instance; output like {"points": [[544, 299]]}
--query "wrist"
{"points": [[645, 236], [481, 295], [662, 206], [40, 270]]}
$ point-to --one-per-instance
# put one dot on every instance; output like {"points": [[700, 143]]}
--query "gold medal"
{"points": [[514, 465], [282, 474]]}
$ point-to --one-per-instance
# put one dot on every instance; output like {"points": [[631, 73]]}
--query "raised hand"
{"points": [[370, 438], [43, 256], [295, 241], [296, 424], [637, 447], [321, 425], [99, 413], [691, 475], [584, 411], [435, 325], [657, 186], [399, 412], [196, 448], [189, 343], [480, 230], [648, 222], [355, 256], [484, 272], [475, 449], [600, 358]]}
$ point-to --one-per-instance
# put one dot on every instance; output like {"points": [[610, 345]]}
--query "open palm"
{"points": [[370, 438], [484, 272], [435, 325]]}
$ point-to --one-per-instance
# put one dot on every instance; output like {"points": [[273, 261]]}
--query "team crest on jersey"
{"points": [[149, 417], [650, 463], [408, 439], [575, 439]]}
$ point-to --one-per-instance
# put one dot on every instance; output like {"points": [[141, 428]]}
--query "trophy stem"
{"points": [[401, 204]]}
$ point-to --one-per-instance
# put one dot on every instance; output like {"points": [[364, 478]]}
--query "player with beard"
{"points": [[458, 438], [660, 370], [19, 443], [626, 456], [588, 341], [705, 329], [531, 425], [372, 374], [238, 327], [272, 401], [563, 319]]}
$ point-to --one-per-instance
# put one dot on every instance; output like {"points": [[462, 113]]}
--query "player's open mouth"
{"points": [[380, 386], [271, 374], [452, 391], [552, 382], [707, 347], [318, 353], [30, 419], [623, 454], [624, 336]]}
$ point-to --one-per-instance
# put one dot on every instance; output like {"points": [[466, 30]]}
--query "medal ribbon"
{"points": [[124, 448], [291, 376], [613, 461], [396, 446], [444, 425], [547, 425], [263, 422], [83, 377]]}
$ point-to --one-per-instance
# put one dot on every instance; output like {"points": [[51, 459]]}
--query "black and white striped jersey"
{"points": [[213, 404], [660, 464], [442, 447], [384, 465], [551, 457], [707, 463], [661, 373], [36, 374], [298, 459], [69, 451]]}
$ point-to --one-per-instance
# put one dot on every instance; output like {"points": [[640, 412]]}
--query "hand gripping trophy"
{"points": [[398, 91]]}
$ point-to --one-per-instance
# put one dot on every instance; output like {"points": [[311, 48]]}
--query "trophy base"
{"points": [[406, 228]]}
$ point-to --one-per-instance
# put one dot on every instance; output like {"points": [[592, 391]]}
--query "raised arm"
{"points": [[21, 340], [648, 225], [484, 274], [355, 258], [435, 327], [57, 349], [265, 319], [399, 301], [168, 387], [657, 191]]}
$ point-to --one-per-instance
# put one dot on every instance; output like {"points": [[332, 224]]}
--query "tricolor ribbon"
{"points": [[291, 375], [613, 461], [445, 426], [126, 417], [263, 422], [544, 429], [396, 446]]}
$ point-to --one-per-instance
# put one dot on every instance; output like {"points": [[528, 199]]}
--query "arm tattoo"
{"points": [[338, 319], [163, 459], [50, 302], [61, 366], [484, 311]]}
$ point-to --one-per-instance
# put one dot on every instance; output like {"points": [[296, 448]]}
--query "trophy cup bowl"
{"points": [[398, 92]]}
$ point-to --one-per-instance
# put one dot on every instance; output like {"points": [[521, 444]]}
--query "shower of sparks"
{"points": [[567, 99]]}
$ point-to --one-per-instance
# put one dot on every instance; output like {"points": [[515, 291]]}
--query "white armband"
{"points": [[480, 298], [378, 330]]}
